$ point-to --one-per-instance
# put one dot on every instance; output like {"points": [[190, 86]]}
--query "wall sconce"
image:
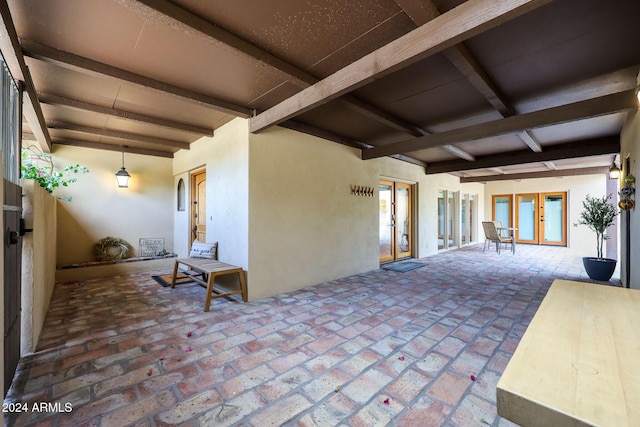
{"points": [[614, 171], [122, 176]]}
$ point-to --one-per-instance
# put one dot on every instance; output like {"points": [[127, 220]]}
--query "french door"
{"points": [[395, 220], [541, 218], [199, 207]]}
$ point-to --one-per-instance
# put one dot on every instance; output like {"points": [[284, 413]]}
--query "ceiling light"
{"points": [[122, 176]]}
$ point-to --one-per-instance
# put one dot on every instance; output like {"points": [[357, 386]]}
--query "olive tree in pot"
{"points": [[598, 214]]}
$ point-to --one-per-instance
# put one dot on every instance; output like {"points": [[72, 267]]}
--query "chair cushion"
{"points": [[204, 250]]}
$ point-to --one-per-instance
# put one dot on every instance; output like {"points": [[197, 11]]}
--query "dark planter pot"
{"points": [[599, 268]]}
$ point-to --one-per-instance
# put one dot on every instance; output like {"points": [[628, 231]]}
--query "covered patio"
{"points": [[423, 347]]}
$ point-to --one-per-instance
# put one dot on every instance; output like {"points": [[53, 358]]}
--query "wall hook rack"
{"points": [[360, 190]]}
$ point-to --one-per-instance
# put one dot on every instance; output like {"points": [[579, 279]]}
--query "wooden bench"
{"points": [[577, 363], [206, 272]]}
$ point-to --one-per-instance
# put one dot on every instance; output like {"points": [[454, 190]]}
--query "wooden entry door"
{"points": [[395, 220], [541, 218], [199, 206], [12, 279]]}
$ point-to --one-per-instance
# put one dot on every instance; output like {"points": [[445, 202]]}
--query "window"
{"points": [[181, 195], [448, 222], [10, 122]]}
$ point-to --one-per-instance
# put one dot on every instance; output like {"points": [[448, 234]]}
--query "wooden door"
{"points": [[541, 218], [395, 220], [527, 218], [199, 206], [12, 272], [553, 219]]}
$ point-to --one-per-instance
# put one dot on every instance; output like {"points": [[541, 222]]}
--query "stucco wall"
{"points": [[580, 240], [279, 204], [100, 209], [630, 148], [226, 160], [307, 228], [38, 261]]}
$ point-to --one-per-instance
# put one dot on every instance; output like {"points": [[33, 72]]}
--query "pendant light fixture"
{"points": [[614, 171], [122, 176]]}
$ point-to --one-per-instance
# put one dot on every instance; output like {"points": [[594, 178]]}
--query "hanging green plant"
{"points": [[38, 166]]}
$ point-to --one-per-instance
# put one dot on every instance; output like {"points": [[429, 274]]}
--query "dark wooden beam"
{"points": [[46, 98], [324, 134], [542, 174], [171, 14], [569, 150], [118, 135], [421, 12], [12, 54], [87, 66], [111, 147], [465, 21], [175, 16], [321, 133], [607, 104]]}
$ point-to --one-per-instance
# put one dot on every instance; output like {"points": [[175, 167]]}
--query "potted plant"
{"points": [[598, 214]]}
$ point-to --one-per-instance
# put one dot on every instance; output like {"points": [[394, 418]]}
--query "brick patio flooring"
{"points": [[379, 348]]}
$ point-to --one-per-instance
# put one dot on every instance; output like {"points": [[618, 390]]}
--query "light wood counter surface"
{"points": [[578, 363]]}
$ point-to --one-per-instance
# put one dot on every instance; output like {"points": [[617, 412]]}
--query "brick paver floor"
{"points": [[420, 348]]}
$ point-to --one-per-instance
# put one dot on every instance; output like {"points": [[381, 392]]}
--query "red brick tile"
{"points": [[425, 412], [139, 410], [286, 361], [188, 408], [408, 386], [450, 387], [281, 411], [326, 384], [283, 384]]}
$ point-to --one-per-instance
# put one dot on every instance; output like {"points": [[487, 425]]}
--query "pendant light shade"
{"points": [[122, 176], [614, 171]]}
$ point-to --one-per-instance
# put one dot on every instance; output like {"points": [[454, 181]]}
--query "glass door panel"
{"points": [[386, 221], [502, 209], [451, 224], [527, 218], [541, 218], [403, 219], [448, 219], [441, 219], [553, 219], [395, 216]]}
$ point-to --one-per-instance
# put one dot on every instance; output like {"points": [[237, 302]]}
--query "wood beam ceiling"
{"points": [[423, 11], [166, 12], [87, 66], [118, 135], [543, 174], [12, 54], [111, 147], [46, 98], [569, 150], [470, 18], [603, 105]]}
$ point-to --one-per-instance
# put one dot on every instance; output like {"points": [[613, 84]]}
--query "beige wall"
{"points": [[580, 239], [279, 204], [226, 160], [630, 148], [100, 209], [307, 228], [38, 261]]}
